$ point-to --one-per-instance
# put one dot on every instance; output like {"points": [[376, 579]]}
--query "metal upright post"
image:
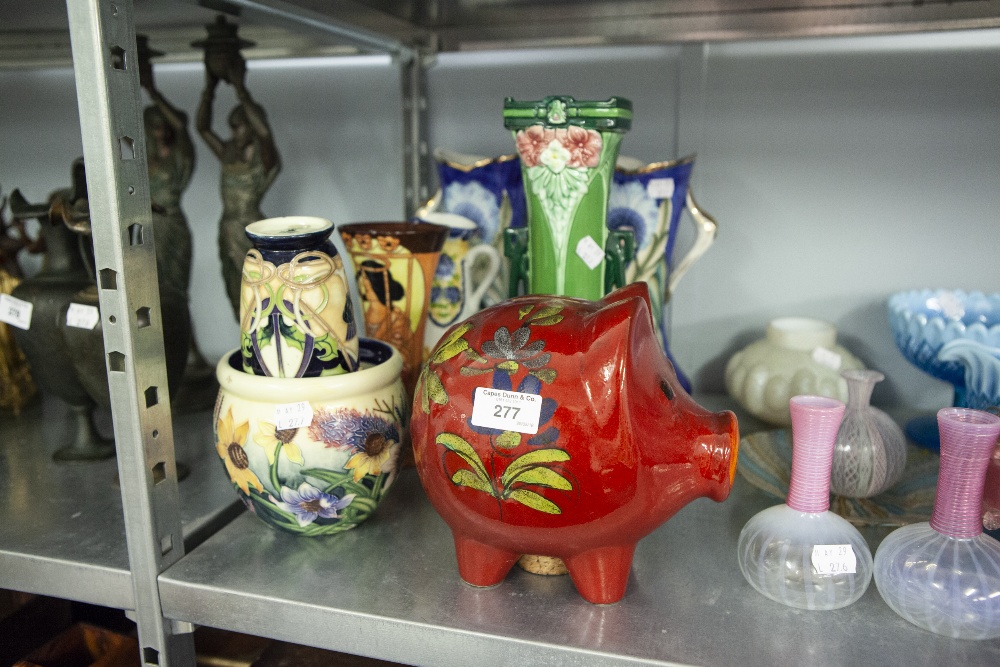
{"points": [[105, 61], [416, 166]]}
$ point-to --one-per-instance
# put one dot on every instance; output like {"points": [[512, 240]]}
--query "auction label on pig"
{"points": [[506, 410], [292, 415], [834, 559], [15, 312]]}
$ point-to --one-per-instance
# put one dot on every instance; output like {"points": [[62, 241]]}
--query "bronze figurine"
{"points": [[250, 160]]}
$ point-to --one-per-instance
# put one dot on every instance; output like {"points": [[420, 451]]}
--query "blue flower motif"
{"points": [[631, 207], [308, 503], [445, 267], [626, 218], [477, 203], [347, 428]]}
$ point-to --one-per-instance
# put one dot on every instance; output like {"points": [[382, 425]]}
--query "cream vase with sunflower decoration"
{"points": [[312, 456]]}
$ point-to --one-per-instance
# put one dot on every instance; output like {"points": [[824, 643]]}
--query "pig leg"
{"points": [[601, 575], [481, 564]]}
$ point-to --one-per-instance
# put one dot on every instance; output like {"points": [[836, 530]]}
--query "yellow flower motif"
{"points": [[268, 436], [230, 449], [387, 243], [378, 454]]}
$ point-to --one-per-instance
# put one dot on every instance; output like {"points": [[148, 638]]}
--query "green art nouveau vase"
{"points": [[568, 150]]}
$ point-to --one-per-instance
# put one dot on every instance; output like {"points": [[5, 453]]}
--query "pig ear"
{"points": [[637, 290], [622, 327]]}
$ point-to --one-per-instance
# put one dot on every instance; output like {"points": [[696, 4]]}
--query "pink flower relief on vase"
{"points": [[584, 146], [531, 142]]}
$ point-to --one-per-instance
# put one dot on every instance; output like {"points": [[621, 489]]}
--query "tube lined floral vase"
{"points": [[296, 315], [568, 150], [312, 455]]}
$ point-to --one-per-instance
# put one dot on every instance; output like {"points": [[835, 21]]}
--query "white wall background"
{"points": [[840, 170]]}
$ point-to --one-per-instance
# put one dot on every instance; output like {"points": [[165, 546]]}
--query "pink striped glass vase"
{"points": [[944, 575], [801, 554]]}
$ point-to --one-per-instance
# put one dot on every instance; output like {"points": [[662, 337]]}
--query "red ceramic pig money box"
{"points": [[555, 426]]}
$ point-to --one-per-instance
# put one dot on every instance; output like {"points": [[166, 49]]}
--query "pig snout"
{"points": [[715, 452]]}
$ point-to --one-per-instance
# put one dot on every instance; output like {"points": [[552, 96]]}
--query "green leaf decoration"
{"points": [[326, 348], [468, 372], [547, 321], [458, 445], [546, 375], [523, 311], [547, 311], [531, 459], [291, 334], [509, 366], [465, 477], [453, 345], [246, 345], [508, 440], [265, 333], [534, 501], [329, 477], [434, 389], [543, 477], [475, 356], [425, 404]]}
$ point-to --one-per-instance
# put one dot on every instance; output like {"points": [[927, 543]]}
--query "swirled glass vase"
{"points": [[296, 315], [801, 554], [944, 575], [869, 454]]}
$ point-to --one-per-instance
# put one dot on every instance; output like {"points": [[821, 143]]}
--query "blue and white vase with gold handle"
{"points": [[649, 199]]}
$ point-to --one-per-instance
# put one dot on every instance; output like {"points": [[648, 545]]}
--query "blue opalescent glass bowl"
{"points": [[923, 321]]}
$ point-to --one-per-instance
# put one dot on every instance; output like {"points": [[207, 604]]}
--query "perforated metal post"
{"points": [[102, 33], [416, 163]]}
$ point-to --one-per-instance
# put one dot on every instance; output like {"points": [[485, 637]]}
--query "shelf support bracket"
{"points": [[102, 35], [416, 163]]}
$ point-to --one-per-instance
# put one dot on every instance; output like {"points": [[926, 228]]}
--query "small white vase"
{"points": [[798, 355]]}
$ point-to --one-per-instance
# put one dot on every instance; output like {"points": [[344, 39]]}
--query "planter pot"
{"points": [[798, 356], [312, 456]]}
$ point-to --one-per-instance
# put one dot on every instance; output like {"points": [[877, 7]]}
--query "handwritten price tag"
{"points": [[506, 410], [660, 188], [82, 316], [826, 357], [15, 312], [591, 253], [834, 559], [292, 415]]}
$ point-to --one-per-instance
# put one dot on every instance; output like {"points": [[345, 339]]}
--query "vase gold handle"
{"points": [[706, 229], [433, 204]]}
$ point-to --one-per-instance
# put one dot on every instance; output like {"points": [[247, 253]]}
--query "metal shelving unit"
{"points": [[63, 528], [390, 589]]}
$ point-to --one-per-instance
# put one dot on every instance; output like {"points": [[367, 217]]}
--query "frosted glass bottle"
{"points": [[869, 454], [800, 553], [944, 575]]}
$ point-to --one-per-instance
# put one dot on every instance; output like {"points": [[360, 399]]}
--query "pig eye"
{"points": [[667, 390]]}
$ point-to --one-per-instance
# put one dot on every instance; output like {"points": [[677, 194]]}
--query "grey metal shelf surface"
{"points": [[390, 590], [63, 531]]}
